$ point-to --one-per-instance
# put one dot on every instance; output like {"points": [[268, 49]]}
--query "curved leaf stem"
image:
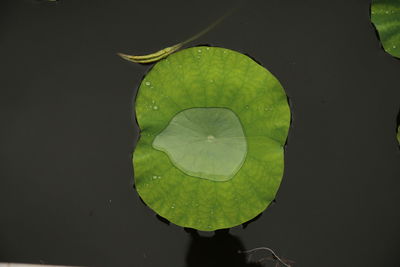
{"points": [[163, 53], [267, 249]]}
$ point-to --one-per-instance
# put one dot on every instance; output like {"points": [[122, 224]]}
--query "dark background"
{"points": [[68, 131]]}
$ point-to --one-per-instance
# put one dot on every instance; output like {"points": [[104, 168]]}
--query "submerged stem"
{"points": [[268, 249]]}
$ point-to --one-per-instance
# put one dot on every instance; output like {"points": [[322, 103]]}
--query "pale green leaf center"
{"points": [[207, 143]]}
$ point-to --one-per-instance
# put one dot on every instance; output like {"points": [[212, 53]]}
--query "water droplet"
{"points": [[394, 46], [387, 12], [155, 107], [173, 206], [154, 176], [224, 52], [152, 101], [247, 107], [210, 138], [158, 177], [211, 81], [207, 48], [199, 51], [147, 83]]}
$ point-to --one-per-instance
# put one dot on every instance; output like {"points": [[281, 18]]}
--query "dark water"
{"points": [[68, 132]]}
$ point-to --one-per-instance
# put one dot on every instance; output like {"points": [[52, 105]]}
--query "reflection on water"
{"points": [[216, 251]]}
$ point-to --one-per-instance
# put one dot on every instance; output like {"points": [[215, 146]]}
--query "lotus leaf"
{"points": [[385, 14], [213, 128]]}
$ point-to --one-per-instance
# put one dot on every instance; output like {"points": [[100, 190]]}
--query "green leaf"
{"points": [[398, 134], [385, 14], [214, 93]]}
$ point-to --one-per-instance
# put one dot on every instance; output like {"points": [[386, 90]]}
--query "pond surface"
{"points": [[68, 132]]}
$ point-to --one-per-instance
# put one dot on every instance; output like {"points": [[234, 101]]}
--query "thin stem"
{"points": [[210, 27], [163, 53], [267, 249]]}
